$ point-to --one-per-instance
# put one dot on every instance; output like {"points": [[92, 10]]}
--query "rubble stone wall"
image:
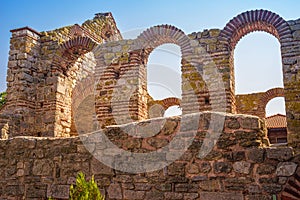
{"points": [[241, 164]]}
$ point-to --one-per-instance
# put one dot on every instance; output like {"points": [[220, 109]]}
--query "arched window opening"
{"points": [[275, 106], [258, 66], [173, 111], [164, 74], [257, 63]]}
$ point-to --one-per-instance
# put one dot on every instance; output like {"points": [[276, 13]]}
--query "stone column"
{"points": [[121, 84], [291, 70], [21, 77]]}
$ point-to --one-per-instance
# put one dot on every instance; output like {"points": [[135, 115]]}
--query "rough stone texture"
{"points": [[40, 167]]}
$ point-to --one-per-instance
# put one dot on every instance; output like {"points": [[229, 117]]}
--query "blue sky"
{"points": [[258, 52]]}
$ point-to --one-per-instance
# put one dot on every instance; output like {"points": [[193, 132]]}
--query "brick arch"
{"points": [[172, 101], [155, 36], [69, 51], [255, 20], [163, 34], [67, 54], [165, 104], [271, 94]]}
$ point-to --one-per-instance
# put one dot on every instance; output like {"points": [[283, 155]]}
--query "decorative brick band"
{"points": [[255, 20]]}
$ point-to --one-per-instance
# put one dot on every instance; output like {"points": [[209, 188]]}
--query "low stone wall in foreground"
{"points": [[241, 165]]}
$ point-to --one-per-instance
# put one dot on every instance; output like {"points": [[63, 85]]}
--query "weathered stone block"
{"points": [[235, 156], [221, 196], [58, 191], [286, 168], [242, 167], [205, 167], [154, 195], [266, 169], [173, 195], [222, 167], [114, 191], [253, 189], [42, 167], [14, 190], [36, 190], [281, 154], [130, 194], [210, 185], [190, 196], [237, 183], [272, 188], [192, 169], [164, 187], [99, 168], [256, 155]]}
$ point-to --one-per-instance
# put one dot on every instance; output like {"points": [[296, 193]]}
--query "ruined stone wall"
{"points": [[207, 69], [241, 165], [122, 90], [45, 68], [41, 76], [286, 33]]}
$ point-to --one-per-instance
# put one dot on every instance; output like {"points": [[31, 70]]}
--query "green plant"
{"points": [[2, 98], [85, 190]]}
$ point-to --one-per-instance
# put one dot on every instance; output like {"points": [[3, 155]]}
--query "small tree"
{"points": [[2, 98], [85, 190]]}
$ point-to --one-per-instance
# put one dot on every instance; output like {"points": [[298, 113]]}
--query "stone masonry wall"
{"points": [[40, 84], [44, 69], [241, 165], [255, 103], [286, 32]]}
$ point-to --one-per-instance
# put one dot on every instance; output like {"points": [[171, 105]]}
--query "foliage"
{"points": [[85, 190], [2, 98]]}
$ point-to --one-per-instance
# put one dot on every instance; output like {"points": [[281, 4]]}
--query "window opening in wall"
{"points": [[258, 68], [173, 111], [257, 64], [164, 75], [276, 121]]}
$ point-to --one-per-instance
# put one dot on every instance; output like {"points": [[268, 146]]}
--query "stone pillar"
{"points": [[121, 84], [21, 77], [214, 58], [291, 68]]}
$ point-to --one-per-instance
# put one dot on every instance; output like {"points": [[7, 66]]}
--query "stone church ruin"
{"points": [[64, 84]]}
